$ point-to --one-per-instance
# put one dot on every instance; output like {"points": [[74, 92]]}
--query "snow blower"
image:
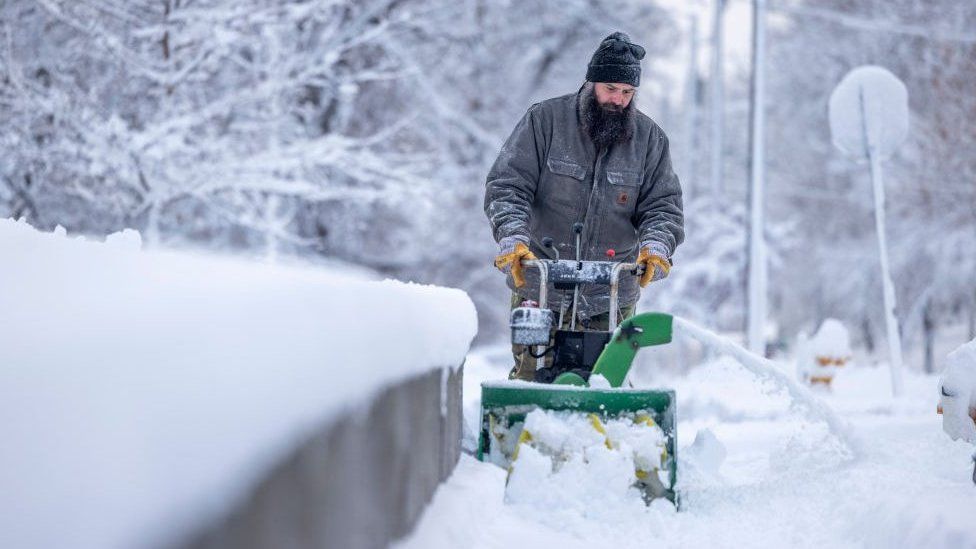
{"points": [[579, 357]]}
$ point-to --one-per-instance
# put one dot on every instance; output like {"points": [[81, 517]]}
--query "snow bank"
{"points": [[818, 359], [705, 455], [141, 393], [958, 394], [831, 340]]}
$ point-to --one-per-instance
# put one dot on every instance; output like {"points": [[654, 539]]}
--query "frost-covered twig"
{"points": [[860, 23]]}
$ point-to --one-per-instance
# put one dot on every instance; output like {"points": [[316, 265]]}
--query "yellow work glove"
{"points": [[655, 266], [513, 261]]}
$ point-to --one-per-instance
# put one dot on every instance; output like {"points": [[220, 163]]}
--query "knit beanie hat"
{"points": [[616, 60]]}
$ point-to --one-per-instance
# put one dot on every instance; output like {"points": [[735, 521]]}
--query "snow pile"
{"points": [[597, 381], [958, 394], [569, 464], [831, 340], [821, 357], [142, 393], [703, 458]]}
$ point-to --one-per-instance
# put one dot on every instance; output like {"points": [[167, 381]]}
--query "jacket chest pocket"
{"points": [[563, 182], [623, 188], [567, 168]]}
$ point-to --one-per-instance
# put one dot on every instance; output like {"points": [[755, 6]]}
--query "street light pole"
{"points": [[757, 171], [690, 184], [717, 100]]}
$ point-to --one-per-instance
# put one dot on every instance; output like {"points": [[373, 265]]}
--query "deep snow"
{"points": [[571, 465], [141, 393], [755, 471]]}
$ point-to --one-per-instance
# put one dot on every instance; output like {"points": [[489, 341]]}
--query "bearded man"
{"points": [[592, 158]]}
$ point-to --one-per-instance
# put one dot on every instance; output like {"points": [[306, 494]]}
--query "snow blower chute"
{"points": [[563, 386]]}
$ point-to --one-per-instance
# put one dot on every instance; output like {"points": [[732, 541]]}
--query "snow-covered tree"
{"points": [[930, 181], [357, 129]]}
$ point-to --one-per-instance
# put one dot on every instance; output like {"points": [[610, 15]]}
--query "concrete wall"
{"points": [[360, 482]]}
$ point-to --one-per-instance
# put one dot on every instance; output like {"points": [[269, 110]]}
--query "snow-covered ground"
{"points": [[143, 393], [140, 393], [785, 481]]}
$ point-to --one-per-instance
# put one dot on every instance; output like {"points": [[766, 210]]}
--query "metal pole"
{"points": [[540, 362], [888, 289], [689, 177], [615, 290], [717, 100], [757, 242], [891, 321]]}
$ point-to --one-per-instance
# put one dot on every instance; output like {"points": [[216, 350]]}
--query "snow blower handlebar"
{"points": [[637, 270], [531, 326], [567, 273]]}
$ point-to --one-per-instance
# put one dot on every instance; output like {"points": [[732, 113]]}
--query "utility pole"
{"points": [[717, 94], [888, 287], [688, 172], [757, 172]]}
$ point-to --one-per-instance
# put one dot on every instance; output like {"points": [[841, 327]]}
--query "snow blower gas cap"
{"points": [[531, 325]]}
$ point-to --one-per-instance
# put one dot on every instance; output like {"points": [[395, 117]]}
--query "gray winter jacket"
{"points": [[549, 175]]}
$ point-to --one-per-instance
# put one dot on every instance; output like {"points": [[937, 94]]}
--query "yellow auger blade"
{"points": [[524, 436], [643, 419], [598, 425]]}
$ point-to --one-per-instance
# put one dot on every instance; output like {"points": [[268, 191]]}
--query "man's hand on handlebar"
{"points": [[656, 266], [510, 258]]}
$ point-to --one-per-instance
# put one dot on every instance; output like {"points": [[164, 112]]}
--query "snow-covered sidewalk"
{"points": [[786, 481]]}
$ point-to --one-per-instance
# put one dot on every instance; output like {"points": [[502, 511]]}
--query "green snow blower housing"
{"points": [[578, 355]]}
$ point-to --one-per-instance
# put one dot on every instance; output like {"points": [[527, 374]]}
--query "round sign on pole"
{"points": [[869, 108], [868, 121]]}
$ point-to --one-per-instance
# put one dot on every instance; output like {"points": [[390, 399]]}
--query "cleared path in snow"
{"points": [[787, 479]]}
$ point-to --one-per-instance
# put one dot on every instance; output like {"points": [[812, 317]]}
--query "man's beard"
{"points": [[605, 124]]}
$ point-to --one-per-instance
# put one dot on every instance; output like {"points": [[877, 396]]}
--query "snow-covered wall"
{"points": [[145, 396], [360, 482]]}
